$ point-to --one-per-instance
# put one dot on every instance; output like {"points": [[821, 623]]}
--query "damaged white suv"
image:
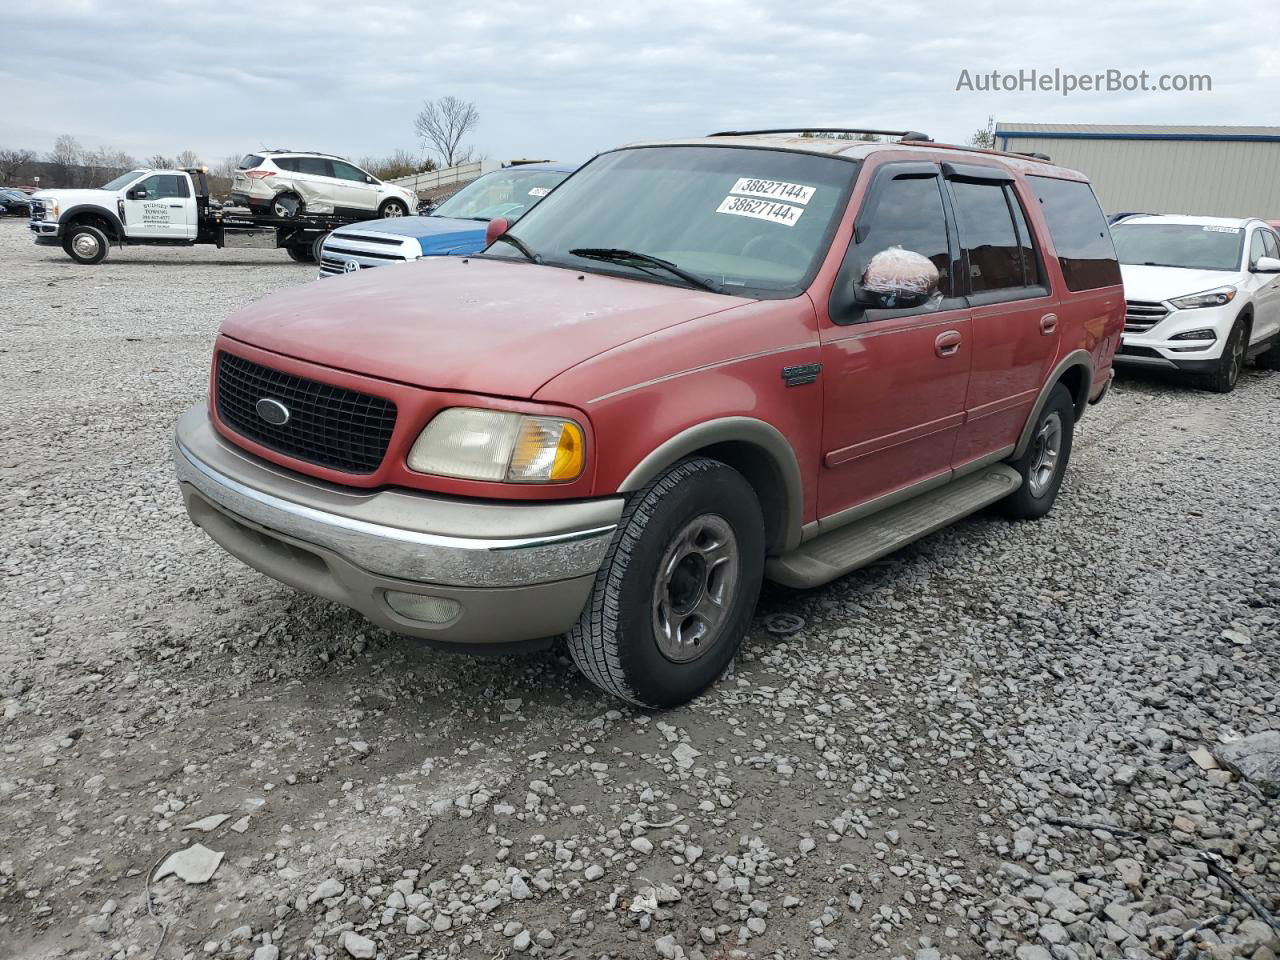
{"points": [[287, 184]]}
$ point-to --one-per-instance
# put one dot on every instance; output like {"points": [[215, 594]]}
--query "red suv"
{"points": [[694, 365]]}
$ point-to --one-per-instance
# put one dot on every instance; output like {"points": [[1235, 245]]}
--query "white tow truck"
{"points": [[166, 208]]}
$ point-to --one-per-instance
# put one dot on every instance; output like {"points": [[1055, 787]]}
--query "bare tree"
{"points": [[13, 161], [158, 161], [65, 158], [986, 137], [225, 169], [443, 123], [187, 158]]}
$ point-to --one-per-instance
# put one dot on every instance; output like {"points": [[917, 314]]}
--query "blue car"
{"points": [[455, 227]]}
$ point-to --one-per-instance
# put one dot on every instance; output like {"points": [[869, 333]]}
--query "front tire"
{"points": [[300, 253], [677, 589], [393, 208], [1224, 377], [1044, 463], [86, 244]]}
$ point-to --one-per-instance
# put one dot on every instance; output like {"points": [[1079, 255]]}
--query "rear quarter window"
{"points": [[249, 161], [1079, 232]]}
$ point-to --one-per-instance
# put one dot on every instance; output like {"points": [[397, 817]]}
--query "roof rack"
{"points": [[900, 134], [1034, 156]]}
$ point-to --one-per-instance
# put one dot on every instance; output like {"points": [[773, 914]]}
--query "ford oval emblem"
{"points": [[273, 411], [351, 266]]}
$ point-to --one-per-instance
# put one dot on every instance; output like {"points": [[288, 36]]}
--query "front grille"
{"points": [[37, 209], [364, 250], [328, 426], [1140, 316]]}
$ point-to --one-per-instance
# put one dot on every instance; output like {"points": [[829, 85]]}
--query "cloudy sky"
{"points": [[564, 78]]}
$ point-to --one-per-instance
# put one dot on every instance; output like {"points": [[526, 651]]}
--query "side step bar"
{"points": [[843, 550]]}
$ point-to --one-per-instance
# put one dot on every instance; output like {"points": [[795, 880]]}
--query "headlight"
{"points": [[1210, 298], [476, 444], [51, 210]]}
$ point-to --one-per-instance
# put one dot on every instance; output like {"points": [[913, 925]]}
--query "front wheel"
{"points": [[300, 253], [1223, 378], [394, 208], [677, 589], [1044, 463], [86, 244]]}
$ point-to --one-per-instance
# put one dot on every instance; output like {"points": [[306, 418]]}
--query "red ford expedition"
{"points": [[694, 365]]}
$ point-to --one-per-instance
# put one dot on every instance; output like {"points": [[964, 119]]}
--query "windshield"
{"points": [[503, 193], [1191, 246], [121, 180], [752, 221]]}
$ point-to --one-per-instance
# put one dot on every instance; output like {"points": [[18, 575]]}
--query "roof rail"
{"points": [[900, 134], [1034, 156]]}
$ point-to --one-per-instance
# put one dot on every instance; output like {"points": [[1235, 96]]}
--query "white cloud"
{"points": [[560, 79]]}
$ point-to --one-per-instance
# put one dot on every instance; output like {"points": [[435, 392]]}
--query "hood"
{"points": [[434, 234], [1154, 284], [67, 198], [496, 327]]}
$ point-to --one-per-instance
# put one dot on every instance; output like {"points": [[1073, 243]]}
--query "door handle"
{"points": [[176, 206], [1048, 323], [947, 344]]}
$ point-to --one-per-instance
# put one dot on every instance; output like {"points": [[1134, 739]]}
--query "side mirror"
{"points": [[497, 227], [368, 178], [898, 279], [137, 193], [1267, 265]]}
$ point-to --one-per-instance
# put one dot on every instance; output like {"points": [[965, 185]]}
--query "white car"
{"points": [[287, 183], [1202, 295]]}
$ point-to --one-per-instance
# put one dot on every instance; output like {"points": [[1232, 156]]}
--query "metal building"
{"points": [[1204, 171]]}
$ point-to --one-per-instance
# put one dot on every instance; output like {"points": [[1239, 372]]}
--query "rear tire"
{"points": [[86, 244], [286, 205], [1227, 374], [300, 253], [677, 589], [1044, 463]]}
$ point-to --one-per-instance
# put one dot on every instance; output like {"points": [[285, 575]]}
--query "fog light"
{"points": [[1196, 335], [416, 606]]}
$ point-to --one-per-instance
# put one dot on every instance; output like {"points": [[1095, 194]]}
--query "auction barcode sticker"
{"points": [[539, 191], [773, 189], [783, 213], [1213, 229]]}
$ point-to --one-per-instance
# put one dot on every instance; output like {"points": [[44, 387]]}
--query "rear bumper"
{"points": [[506, 572]]}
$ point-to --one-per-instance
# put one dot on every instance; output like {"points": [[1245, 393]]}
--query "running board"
{"points": [[832, 555]]}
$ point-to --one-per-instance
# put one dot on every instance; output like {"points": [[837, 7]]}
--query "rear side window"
{"points": [[249, 161], [287, 164], [996, 243], [1079, 231], [316, 166]]}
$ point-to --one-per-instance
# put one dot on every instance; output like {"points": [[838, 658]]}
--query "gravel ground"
{"points": [[992, 744]]}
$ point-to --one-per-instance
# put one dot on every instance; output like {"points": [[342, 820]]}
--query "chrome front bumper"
{"points": [[517, 570]]}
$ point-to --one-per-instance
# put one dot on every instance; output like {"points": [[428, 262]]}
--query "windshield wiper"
{"points": [[519, 245], [614, 255]]}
